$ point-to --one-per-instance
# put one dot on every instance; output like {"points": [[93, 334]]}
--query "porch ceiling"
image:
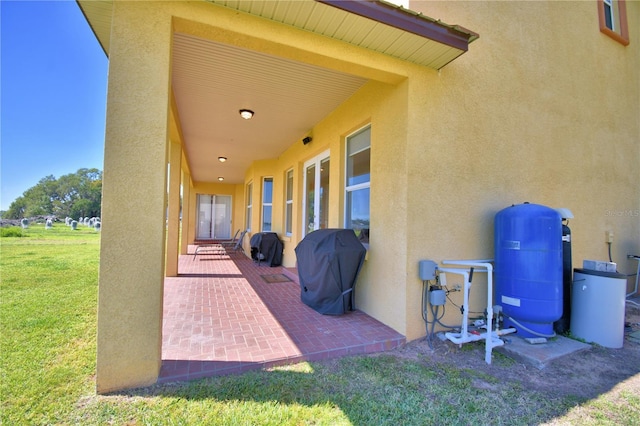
{"points": [[212, 81]]}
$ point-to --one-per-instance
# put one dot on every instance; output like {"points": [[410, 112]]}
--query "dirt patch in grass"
{"points": [[584, 374]]}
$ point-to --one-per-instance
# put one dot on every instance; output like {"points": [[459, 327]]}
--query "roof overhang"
{"points": [[372, 24], [207, 94], [406, 20]]}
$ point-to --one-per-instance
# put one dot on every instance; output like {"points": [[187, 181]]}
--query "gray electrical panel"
{"points": [[427, 270]]}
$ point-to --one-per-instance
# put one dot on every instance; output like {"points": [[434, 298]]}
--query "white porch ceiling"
{"points": [[212, 81]]}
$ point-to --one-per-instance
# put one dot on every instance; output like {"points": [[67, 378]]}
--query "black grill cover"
{"points": [[266, 247], [329, 261]]}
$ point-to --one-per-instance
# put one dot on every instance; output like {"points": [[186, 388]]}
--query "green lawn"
{"points": [[48, 306], [48, 299]]}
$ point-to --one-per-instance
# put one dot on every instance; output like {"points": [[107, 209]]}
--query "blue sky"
{"points": [[52, 94]]}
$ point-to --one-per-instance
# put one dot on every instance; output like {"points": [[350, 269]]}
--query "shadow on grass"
{"points": [[374, 389]]}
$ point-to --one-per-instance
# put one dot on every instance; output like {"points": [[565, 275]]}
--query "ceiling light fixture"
{"points": [[246, 114], [220, 178], [222, 159]]}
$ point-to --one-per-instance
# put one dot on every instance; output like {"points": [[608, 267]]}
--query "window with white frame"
{"points": [[358, 182], [609, 14], [288, 207], [249, 204], [612, 16], [267, 206]]}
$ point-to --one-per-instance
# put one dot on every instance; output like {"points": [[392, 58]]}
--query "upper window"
{"points": [[612, 15], [288, 208], [267, 206], [358, 183]]}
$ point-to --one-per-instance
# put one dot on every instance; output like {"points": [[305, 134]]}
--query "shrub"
{"points": [[12, 231]]}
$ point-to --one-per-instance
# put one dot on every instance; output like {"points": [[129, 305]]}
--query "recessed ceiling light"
{"points": [[222, 159], [246, 114], [220, 178]]}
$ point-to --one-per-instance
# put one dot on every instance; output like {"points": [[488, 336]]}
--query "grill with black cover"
{"points": [[329, 261]]}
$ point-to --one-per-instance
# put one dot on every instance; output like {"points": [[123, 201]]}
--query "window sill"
{"points": [[614, 35], [622, 35]]}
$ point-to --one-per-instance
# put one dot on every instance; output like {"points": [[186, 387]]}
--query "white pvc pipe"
{"points": [[491, 337], [465, 301]]}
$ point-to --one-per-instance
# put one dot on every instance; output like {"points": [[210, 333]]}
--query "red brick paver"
{"points": [[221, 317]]}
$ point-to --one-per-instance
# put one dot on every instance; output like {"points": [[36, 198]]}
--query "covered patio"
{"points": [[258, 108], [222, 316]]}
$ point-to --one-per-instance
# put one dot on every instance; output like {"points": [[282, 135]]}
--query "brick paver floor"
{"points": [[221, 317]]}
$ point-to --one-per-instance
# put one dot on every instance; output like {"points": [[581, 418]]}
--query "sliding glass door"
{"points": [[214, 217]]}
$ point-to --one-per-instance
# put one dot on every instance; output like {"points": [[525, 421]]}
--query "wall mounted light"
{"points": [[222, 159], [220, 178], [246, 114]]}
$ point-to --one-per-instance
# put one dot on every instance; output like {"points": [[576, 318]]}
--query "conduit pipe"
{"points": [[491, 337]]}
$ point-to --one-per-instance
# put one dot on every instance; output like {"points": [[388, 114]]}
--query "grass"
{"points": [[48, 299], [48, 322], [12, 231]]}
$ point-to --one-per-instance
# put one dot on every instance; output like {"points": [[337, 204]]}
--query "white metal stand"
{"points": [[491, 337]]}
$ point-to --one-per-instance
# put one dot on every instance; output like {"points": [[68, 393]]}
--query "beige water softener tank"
{"points": [[597, 307]]}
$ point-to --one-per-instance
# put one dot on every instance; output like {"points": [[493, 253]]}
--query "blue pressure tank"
{"points": [[528, 268]]}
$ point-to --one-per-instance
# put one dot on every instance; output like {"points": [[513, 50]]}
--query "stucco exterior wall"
{"points": [[384, 296], [543, 108], [186, 211], [173, 209], [134, 199], [530, 113], [383, 106], [256, 173]]}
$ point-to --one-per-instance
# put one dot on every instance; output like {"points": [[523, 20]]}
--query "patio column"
{"points": [[186, 208], [134, 198], [191, 229], [173, 222]]}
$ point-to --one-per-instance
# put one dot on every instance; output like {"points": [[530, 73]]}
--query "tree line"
{"points": [[74, 195]]}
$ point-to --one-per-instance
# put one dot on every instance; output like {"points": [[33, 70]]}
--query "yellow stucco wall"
{"points": [[538, 110], [381, 106], [383, 103], [516, 119], [173, 209], [527, 114], [186, 211], [134, 199]]}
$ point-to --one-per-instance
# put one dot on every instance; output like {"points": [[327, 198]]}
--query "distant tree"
{"points": [[39, 198], [77, 194], [82, 208], [17, 209]]}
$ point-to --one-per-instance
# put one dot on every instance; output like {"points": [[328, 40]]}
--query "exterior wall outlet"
{"points": [[609, 235]]}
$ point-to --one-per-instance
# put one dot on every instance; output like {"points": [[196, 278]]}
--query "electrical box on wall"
{"points": [[437, 297], [608, 237], [427, 270]]}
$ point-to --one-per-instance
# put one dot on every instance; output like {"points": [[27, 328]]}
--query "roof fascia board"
{"points": [[86, 18], [405, 20]]}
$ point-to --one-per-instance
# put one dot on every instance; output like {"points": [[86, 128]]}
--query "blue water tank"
{"points": [[528, 268]]}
